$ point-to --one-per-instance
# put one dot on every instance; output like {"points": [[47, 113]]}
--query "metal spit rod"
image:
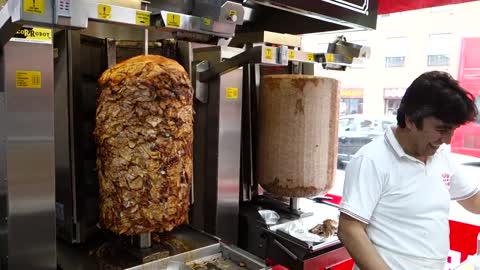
{"points": [[294, 203], [143, 240], [145, 7]]}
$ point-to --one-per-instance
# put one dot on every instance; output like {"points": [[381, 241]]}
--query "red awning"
{"points": [[391, 6]]}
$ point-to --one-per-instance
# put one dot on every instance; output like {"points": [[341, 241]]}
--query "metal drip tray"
{"points": [[218, 256], [108, 251]]}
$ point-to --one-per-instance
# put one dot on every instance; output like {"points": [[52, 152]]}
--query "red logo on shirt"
{"points": [[446, 179]]}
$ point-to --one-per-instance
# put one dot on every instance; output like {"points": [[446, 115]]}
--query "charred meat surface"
{"points": [[144, 134]]}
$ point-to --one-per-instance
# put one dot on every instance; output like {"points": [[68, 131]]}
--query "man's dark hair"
{"points": [[437, 94]]}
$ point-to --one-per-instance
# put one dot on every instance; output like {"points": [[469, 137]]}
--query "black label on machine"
{"points": [[33, 34]]}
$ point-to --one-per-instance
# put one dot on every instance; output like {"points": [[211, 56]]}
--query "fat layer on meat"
{"points": [[144, 134]]}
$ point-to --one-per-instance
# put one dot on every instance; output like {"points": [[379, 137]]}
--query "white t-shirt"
{"points": [[404, 201]]}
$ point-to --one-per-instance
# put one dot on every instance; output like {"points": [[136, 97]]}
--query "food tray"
{"points": [[218, 256], [308, 222]]}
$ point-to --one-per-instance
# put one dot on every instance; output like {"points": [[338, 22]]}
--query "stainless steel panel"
{"points": [[217, 150], [219, 10], [207, 8], [185, 49], [75, 95], [266, 37], [121, 32], [112, 52], [28, 122], [63, 166], [44, 15], [194, 24], [7, 28], [180, 6], [229, 156]]}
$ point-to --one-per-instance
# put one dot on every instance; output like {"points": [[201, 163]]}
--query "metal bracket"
{"points": [[282, 55], [252, 55], [232, 12], [201, 88]]}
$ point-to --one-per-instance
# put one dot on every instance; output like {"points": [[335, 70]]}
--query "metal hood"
{"points": [[308, 16], [218, 18]]}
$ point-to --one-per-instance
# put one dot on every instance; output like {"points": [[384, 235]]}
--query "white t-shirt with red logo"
{"points": [[404, 201]]}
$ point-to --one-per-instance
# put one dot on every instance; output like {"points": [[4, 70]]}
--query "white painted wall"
{"points": [[461, 20]]}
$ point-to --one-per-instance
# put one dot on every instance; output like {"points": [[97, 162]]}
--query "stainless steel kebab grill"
{"points": [[54, 51]]}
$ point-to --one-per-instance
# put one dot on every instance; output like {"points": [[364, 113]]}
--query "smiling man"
{"points": [[397, 190]]}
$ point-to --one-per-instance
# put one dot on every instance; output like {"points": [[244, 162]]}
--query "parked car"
{"points": [[356, 130]]}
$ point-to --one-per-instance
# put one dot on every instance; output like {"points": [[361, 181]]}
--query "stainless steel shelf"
{"points": [[181, 22], [117, 14], [79, 12]]}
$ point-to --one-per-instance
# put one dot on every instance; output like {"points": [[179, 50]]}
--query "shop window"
{"points": [[351, 106], [438, 60], [439, 49], [395, 51], [391, 106], [397, 61]]}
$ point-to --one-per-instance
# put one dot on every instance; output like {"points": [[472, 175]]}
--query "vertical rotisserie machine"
{"points": [[53, 52]]}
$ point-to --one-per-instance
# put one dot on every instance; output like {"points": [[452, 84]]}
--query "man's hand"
{"points": [[353, 235], [472, 204]]}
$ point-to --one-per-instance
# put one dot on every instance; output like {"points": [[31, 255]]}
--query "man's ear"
{"points": [[409, 123]]}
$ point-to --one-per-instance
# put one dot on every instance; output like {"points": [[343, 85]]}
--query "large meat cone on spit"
{"points": [[298, 127], [144, 134]]}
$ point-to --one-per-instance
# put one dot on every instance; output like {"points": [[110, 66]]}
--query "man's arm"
{"points": [[353, 234], [472, 204]]}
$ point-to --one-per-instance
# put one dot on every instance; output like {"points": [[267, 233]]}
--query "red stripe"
{"points": [[392, 6], [335, 199], [463, 238]]}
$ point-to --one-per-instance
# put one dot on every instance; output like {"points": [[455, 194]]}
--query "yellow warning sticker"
{"points": [[28, 79], [174, 20], [207, 21], [291, 54], [310, 57], [268, 53], [231, 93], [232, 13], [330, 58], [104, 12], [33, 34], [36, 7], [142, 18]]}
